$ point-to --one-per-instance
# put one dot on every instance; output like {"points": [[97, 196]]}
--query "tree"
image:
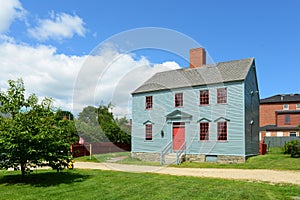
{"points": [[110, 126], [88, 126], [32, 134], [89, 115]]}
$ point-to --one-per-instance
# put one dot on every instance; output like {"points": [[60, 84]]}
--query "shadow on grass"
{"points": [[44, 179]]}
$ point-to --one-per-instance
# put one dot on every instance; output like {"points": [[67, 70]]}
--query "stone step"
{"points": [[170, 158]]}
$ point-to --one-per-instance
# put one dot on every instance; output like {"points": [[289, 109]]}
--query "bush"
{"points": [[293, 148]]}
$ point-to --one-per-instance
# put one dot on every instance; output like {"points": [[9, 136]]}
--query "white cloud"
{"points": [[108, 77], [9, 11], [58, 27], [44, 72]]}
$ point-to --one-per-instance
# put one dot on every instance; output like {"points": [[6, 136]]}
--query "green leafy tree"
{"points": [[89, 115], [88, 126], [32, 135], [110, 126]]}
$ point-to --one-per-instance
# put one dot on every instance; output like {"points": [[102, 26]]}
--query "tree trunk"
{"points": [[23, 168]]}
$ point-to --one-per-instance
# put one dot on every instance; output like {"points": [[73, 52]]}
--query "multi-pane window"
{"points": [[204, 97], [222, 131], [285, 106], [287, 119], [222, 95], [148, 128], [204, 131], [178, 99], [149, 102], [298, 106]]}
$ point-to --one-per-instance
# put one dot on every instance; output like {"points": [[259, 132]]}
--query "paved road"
{"points": [[273, 176]]}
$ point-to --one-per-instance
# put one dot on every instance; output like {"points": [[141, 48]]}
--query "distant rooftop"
{"points": [[281, 98]]}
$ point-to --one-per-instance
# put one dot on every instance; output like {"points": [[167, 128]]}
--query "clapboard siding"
{"points": [[163, 104]]}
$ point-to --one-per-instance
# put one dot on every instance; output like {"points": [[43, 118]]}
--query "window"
{"points": [[222, 130], [148, 131], [149, 102], [292, 134], [178, 99], [204, 97], [298, 106], [285, 106], [222, 95], [287, 119], [204, 127]]}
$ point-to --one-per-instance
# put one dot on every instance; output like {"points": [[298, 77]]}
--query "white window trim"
{"points": [[287, 107]]}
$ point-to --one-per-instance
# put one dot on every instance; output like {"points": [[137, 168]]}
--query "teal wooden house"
{"points": [[205, 113]]}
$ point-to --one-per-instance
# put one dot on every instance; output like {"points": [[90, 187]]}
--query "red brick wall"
{"points": [[294, 120], [267, 112]]}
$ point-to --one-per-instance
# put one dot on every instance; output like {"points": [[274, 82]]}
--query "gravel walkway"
{"points": [[261, 175]]}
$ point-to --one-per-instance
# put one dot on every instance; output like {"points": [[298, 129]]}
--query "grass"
{"points": [[275, 159], [97, 184], [126, 159]]}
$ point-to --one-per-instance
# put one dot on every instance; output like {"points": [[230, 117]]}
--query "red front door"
{"points": [[178, 135]]}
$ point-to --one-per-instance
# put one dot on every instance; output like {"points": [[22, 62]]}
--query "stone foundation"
{"points": [[148, 157], [231, 159], [223, 159]]}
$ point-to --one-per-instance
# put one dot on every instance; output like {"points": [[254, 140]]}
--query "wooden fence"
{"points": [[98, 148], [279, 141]]}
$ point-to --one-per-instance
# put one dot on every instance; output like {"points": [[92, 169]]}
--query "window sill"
{"points": [[222, 141], [204, 105]]}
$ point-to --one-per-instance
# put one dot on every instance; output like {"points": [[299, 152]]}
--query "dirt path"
{"points": [[263, 175]]}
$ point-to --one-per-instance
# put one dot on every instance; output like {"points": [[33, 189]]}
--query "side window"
{"points": [[149, 102]]}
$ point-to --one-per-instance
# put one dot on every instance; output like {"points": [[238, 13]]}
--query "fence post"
{"points": [[90, 151]]}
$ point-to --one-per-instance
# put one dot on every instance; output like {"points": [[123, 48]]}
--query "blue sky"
{"points": [[47, 43]]}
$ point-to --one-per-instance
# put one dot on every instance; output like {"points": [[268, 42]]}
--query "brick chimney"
{"points": [[197, 57]]}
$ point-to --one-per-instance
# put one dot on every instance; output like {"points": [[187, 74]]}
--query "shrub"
{"points": [[293, 148]]}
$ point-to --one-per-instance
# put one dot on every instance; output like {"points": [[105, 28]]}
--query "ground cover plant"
{"points": [[275, 159], [97, 184]]}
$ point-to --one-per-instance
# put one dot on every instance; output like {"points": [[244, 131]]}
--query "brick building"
{"points": [[280, 115]]}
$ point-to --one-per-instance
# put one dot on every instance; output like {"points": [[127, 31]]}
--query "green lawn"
{"points": [[275, 159], [97, 184]]}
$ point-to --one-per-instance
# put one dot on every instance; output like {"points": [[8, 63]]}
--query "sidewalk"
{"points": [[261, 175]]}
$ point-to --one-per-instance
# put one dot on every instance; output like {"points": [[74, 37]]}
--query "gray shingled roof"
{"points": [[236, 70], [281, 98]]}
